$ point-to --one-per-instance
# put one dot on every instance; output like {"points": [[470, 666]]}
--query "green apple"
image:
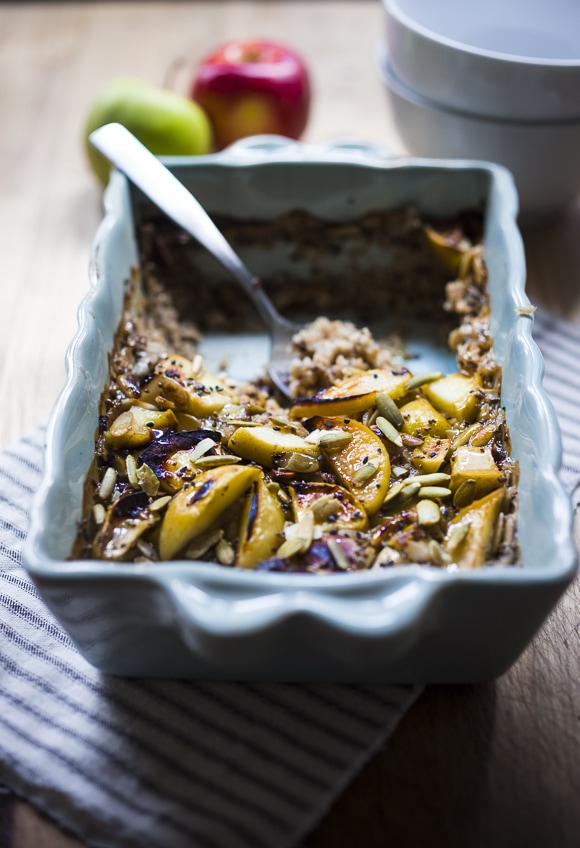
{"points": [[167, 123]]}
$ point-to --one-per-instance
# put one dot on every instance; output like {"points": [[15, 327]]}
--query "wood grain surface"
{"points": [[491, 765]]}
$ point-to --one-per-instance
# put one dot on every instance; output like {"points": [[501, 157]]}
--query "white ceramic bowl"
{"points": [[544, 158], [518, 60]]}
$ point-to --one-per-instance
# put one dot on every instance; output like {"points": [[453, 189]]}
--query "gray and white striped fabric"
{"points": [[126, 763], [559, 341], [139, 763]]}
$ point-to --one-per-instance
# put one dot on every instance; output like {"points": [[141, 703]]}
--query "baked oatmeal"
{"points": [[372, 463]]}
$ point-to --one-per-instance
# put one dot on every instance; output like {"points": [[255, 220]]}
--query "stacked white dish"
{"points": [[498, 80]]}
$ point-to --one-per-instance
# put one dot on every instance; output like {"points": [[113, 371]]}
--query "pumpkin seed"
{"points": [[364, 474], [304, 528], [324, 507], [432, 479], [484, 436], [389, 409], [434, 492], [334, 439], [148, 480], [389, 431], [428, 513], [224, 552], [477, 265], [128, 386], [243, 422], [157, 505], [283, 496], [313, 438], [196, 365], [202, 448], [99, 514], [217, 461], [498, 533], [148, 550], [369, 417], [417, 551], [464, 436], [457, 533], [291, 547], [403, 491], [422, 379], [203, 543], [107, 484], [464, 493], [526, 311], [395, 490], [387, 556], [300, 462], [131, 466], [436, 552]]}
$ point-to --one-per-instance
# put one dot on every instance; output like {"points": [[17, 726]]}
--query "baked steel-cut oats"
{"points": [[373, 463]]}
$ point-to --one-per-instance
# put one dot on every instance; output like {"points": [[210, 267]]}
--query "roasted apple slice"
{"points": [[127, 519], [135, 427], [270, 446], [260, 526], [449, 246], [207, 394], [430, 456], [454, 395], [194, 510], [352, 396], [181, 384], [362, 464], [422, 419], [470, 535], [476, 465], [172, 456]]}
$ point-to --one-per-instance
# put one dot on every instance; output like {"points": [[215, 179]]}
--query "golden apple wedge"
{"points": [[194, 510], [362, 464], [266, 445], [470, 535], [261, 523], [352, 396]]}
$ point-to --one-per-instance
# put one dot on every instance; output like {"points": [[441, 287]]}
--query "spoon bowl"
{"points": [[149, 174]]}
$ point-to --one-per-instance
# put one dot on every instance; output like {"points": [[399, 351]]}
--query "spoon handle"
{"points": [[149, 174]]}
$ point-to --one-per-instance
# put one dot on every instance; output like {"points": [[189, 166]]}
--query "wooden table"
{"points": [[490, 765]]}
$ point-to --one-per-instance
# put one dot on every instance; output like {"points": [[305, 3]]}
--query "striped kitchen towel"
{"points": [[559, 341], [145, 763], [127, 763]]}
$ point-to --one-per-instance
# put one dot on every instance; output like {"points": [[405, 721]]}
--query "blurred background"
{"points": [[54, 60]]}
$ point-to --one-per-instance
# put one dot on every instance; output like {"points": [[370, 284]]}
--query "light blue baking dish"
{"points": [[404, 624]]}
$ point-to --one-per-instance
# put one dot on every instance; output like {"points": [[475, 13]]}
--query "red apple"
{"points": [[250, 87]]}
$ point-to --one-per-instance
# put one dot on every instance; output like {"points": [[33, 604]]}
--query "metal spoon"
{"points": [[145, 170]]}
